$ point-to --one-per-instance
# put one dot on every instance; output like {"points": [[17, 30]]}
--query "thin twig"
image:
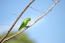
{"points": [[50, 9], [36, 9], [16, 21]]}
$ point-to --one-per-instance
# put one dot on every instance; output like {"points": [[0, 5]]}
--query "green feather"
{"points": [[24, 23]]}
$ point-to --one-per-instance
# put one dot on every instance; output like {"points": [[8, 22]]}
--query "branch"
{"points": [[16, 20], [50, 9]]}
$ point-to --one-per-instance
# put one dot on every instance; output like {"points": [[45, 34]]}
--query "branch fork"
{"points": [[49, 10]]}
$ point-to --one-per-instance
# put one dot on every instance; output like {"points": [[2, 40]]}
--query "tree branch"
{"points": [[16, 20], [50, 9]]}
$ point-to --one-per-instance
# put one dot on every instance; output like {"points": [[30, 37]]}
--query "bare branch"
{"points": [[16, 20], [14, 35], [50, 9]]}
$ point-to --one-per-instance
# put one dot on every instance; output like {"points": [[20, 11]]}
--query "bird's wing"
{"points": [[22, 26]]}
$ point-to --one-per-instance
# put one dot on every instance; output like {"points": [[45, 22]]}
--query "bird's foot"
{"points": [[27, 26]]}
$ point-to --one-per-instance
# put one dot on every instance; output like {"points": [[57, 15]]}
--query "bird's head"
{"points": [[28, 19]]}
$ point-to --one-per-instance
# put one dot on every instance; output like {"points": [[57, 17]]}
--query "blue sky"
{"points": [[50, 29]]}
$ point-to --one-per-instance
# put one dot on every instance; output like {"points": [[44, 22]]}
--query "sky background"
{"points": [[50, 29]]}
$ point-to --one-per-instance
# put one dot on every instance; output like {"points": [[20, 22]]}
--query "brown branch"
{"points": [[50, 9], [14, 35], [16, 21]]}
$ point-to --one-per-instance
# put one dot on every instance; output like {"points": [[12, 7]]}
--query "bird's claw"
{"points": [[27, 26]]}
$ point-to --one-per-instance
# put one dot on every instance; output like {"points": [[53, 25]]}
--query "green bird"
{"points": [[24, 23]]}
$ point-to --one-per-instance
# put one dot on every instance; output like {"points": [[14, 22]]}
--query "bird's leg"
{"points": [[27, 26]]}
